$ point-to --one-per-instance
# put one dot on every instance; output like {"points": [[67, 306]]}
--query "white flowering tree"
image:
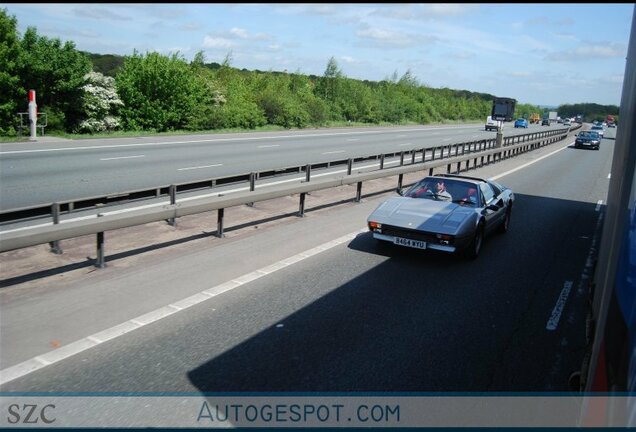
{"points": [[100, 103]]}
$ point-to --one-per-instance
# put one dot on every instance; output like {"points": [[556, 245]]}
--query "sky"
{"points": [[542, 54]]}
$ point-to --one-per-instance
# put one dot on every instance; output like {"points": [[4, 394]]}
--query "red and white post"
{"points": [[33, 114]]}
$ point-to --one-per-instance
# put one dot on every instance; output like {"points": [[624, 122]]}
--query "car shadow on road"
{"points": [[420, 321]]}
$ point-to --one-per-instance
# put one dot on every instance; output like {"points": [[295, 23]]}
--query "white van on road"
{"points": [[491, 124]]}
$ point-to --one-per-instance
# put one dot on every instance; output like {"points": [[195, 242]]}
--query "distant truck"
{"points": [[534, 118], [610, 121], [579, 118], [545, 121], [553, 117]]}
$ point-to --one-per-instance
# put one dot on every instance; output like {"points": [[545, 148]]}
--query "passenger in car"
{"points": [[470, 197]]}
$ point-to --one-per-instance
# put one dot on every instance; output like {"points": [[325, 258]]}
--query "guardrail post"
{"points": [[432, 154], [459, 167], [359, 192], [252, 181], [308, 172], [349, 166], [448, 169], [55, 245], [219, 222], [301, 207], [172, 190], [100, 262], [401, 158], [382, 161], [412, 157], [400, 178], [430, 171], [252, 187]]}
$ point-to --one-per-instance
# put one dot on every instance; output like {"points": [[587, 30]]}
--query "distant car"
{"points": [[588, 139], [545, 122], [611, 125], [598, 128], [567, 122], [521, 123], [424, 218], [491, 124]]}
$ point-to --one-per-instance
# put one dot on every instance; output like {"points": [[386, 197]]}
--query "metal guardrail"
{"points": [[101, 223]]}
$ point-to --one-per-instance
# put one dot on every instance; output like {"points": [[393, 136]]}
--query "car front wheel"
{"points": [[475, 246], [505, 225]]}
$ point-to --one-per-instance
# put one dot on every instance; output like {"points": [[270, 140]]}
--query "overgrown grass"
{"points": [[13, 139]]}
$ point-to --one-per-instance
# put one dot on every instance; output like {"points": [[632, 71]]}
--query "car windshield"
{"points": [[444, 189]]}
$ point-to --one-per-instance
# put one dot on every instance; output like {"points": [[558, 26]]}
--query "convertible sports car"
{"points": [[446, 212]]}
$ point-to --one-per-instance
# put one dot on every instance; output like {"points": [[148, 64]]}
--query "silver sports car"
{"points": [[446, 212]]}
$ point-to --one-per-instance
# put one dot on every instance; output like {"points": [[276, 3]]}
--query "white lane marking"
{"points": [[334, 152], [529, 163], [122, 157], [43, 360], [353, 139], [401, 136], [609, 176], [553, 322], [599, 203], [268, 146], [199, 167], [405, 144], [447, 139], [231, 139]]}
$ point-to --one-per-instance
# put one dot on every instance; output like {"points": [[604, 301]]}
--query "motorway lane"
{"points": [[36, 174], [362, 318]]}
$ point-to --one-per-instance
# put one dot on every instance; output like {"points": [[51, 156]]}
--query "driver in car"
{"points": [[441, 192]]}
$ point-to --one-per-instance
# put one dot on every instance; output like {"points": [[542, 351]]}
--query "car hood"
{"points": [[422, 214]]}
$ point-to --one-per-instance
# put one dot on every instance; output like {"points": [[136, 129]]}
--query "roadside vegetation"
{"points": [[85, 94]]}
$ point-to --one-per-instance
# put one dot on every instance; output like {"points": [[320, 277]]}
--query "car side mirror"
{"points": [[493, 207]]}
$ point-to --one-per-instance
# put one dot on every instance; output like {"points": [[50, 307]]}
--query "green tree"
{"points": [[328, 85], [10, 90], [240, 109], [56, 71], [159, 92]]}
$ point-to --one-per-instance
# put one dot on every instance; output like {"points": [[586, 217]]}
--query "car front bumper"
{"points": [[460, 243], [586, 144]]}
